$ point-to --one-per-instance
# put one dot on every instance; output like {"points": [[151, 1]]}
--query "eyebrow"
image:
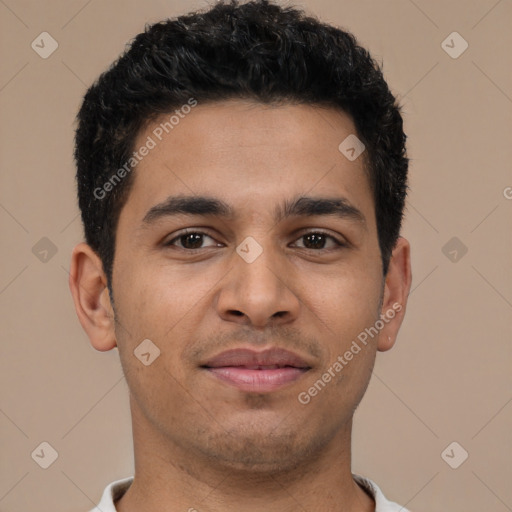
{"points": [[302, 206]]}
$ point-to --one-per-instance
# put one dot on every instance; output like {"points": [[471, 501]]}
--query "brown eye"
{"points": [[316, 240], [189, 240]]}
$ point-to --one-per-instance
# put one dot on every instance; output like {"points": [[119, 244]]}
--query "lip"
{"points": [[252, 371]]}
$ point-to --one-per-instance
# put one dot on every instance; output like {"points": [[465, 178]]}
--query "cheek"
{"points": [[165, 305], [152, 299], [346, 301], [347, 305], [151, 308]]}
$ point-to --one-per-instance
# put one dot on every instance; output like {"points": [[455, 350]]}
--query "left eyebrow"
{"points": [[305, 206], [302, 206]]}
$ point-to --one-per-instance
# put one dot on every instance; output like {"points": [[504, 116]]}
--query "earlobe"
{"points": [[88, 285], [396, 290]]}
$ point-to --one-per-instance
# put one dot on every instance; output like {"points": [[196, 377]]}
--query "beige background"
{"points": [[448, 377]]}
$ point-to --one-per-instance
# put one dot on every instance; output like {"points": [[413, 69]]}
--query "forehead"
{"points": [[249, 154]]}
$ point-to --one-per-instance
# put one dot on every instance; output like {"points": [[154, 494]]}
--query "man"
{"points": [[241, 177]]}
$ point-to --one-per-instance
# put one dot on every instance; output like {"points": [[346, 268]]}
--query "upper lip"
{"points": [[250, 358]]}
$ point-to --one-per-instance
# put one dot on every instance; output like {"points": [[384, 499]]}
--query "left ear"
{"points": [[396, 292]]}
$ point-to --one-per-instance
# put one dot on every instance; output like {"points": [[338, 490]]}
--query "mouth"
{"points": [[257, 372]]}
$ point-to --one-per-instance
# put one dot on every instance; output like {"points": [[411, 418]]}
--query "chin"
{"points": [[264, 448]]}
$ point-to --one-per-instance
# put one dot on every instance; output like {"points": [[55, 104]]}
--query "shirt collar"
{"points": [[116, 489]]}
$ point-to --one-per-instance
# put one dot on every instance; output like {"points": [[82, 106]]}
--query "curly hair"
{"points": [[255, 50]]}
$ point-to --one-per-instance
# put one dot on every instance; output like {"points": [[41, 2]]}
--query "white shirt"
{"points": [[116, 489]]}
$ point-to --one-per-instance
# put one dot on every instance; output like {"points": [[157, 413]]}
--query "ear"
{"points": [[396, 291], [88, 285]]}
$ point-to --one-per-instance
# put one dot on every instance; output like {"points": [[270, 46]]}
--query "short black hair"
{"points": [[256, 50]]}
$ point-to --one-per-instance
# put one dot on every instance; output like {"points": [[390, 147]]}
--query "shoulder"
{"points": [[113, 491], [382, 504]]}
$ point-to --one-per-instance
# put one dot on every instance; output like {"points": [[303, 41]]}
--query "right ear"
{"points": [[88, 285]]}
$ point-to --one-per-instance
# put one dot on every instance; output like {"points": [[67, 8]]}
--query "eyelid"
{"points": [[319, 231], [187, 231]]}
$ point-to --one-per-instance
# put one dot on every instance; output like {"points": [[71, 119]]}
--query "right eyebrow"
{"points": [[189, 205]]}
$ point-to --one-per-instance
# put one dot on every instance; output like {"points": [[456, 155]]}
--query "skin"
{"points": [[201, 443]]}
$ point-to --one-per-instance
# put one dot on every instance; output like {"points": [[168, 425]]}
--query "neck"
{"points": [[169, 478]]}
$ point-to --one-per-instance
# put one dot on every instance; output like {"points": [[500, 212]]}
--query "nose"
{"points": [[258, 293]]}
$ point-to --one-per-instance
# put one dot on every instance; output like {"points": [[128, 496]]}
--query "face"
{"points": [[253, 293]]}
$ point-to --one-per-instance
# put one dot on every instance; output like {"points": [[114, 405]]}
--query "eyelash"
{"points": [[339, 244]]}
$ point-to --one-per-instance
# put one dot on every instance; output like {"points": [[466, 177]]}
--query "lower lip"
{"points": [[258, 381]]}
